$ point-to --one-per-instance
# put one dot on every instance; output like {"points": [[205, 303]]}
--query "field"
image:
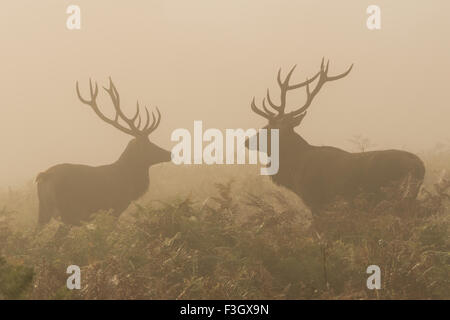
{"points": [[206, 232]]}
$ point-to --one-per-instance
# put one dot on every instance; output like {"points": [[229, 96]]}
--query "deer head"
{"points": [[140, 151], [276, 114]]}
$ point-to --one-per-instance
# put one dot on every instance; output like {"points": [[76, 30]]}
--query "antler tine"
{"points": [[309, 96], [79, 94], [155, 122], [288, 77], [148, 119], [304, 83], [139, 122], [279, 108], [273, 105], [322, 74], [284, 87], [93, 104], [137, 116], [280, 83], [115, 98], [137, 112], [134, 123], [322, 80], [258, 111], [114, 89], [159, 118], [93, 91], [308, 91], [340, 76], [267, 110]]}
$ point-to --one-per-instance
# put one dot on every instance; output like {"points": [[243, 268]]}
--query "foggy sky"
{"points": [[205, 60]]}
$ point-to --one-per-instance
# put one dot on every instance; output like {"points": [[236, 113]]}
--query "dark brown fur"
{"points": [[74, 192], [320, 175]]}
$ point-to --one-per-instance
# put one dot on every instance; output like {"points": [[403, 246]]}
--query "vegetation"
{"points": [[230, 234]]}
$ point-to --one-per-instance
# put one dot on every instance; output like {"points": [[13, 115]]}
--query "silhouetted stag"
{"points": [[74, 192], [322, 174]]}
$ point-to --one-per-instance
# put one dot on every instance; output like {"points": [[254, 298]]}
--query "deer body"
{"points": [[73, 186], [74, 192], [322, 174]]}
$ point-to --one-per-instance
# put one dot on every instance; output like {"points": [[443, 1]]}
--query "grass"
{"points": [[228, 233]]}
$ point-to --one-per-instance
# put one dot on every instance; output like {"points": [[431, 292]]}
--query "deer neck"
{"points": [[133, 174], [292, 146], [132, 162]]}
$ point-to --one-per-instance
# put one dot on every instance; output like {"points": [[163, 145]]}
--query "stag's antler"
{"points": [[285, 87], [133, 128]]}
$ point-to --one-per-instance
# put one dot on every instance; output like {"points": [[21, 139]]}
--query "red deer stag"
{"points": [[74, 192], [322, 174]]}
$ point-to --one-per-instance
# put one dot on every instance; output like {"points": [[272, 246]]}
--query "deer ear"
{"points": [[298, 119]]}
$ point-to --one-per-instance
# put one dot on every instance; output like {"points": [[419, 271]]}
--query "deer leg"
{"points": [[44, 215], [47, 203]]}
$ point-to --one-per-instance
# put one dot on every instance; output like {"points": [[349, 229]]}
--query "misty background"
{"points": [[205, 60]]}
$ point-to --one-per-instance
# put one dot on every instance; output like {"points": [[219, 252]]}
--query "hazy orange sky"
{"points": [[205, 60]]}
